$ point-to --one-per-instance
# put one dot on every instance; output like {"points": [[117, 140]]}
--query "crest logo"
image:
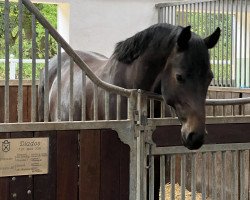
{"points": [[5, 146]]}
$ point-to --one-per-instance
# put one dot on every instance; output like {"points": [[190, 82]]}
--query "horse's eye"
{"points": [[179, 78]]}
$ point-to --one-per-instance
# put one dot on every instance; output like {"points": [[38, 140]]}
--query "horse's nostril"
{"points": [[194, 140]]}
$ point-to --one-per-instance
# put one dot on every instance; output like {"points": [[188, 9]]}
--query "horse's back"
{"points": [[94, 60]]}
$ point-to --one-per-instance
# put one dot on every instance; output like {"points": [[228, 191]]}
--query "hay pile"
{"points": [[188, 194]]}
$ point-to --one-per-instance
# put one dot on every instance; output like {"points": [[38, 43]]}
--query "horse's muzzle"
{"points": [[193, 140]]}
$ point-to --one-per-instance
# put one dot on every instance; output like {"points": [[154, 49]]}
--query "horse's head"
{"points": [[185, 80]]}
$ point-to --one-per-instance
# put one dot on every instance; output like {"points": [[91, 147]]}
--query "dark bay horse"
{"points": [[165, 59]]}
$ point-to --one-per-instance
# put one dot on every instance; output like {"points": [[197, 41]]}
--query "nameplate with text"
{"points": [[24, 156]]}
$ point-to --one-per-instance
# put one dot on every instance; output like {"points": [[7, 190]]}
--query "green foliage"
{"points": [[50, 13]]}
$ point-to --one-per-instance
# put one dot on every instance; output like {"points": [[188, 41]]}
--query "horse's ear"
{"points": [[211, 40], [184, 37]]}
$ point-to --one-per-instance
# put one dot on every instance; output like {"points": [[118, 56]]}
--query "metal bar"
{"points": [[20, 68], [223, 171], [190, 14], [183, 176], [151, 111], [204, 148], [214, 175], [162, 176], [240, 62], [182, 15], [202, 19], [213, 68], [194, 15], [59, 84], [118, 107], [235, 47], [242, 181], [172, 177], [193, 176], [163, 109], [231, 55], [172, 15], [33, 92], [186, 18], [206, 15], [235, 175], [167, 14], [151, 177], [160, 18], [46, 78], [218, 48], [245, 46], [160, 5], [203, 176], [7, 59], [106, 105], [227, 16], [179, 15], [83, 96], [198, 18], [222, 45], [235, 101], [71, 90], [175, 15], [73, 54], [164, 15], [95, 102]]}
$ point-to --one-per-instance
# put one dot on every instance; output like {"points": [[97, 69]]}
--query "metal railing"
{"points": [[232, 16], [13, 65]]}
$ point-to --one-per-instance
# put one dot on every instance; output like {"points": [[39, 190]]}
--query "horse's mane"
{"points": [[130, 49]]}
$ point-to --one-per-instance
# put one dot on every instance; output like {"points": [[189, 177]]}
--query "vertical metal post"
{"points": [[214, 175], [231, 55], [222, 47], [118, 107], [242, 177], [193, 176], [162, 176], [218, 49], [223, 171], [172, 177], [33, 93], [203, 178], [7, 59], [20, 71], [235, 45], [245, 47], [59, 85], [240, 63], [151, 177], [95, 102], [213, 68], [151, 112], [163, 109], [106, 105], [235, 171], [227, 27], [46, 78], [183, 176], [71, 90], [83, 96]]}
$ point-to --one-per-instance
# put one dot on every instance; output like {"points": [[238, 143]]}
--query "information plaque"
{"points": [[24, 156]]}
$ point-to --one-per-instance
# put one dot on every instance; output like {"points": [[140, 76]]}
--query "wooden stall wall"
{"points": [[83, 164]]}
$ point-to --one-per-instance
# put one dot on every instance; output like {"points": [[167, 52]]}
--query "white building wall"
{"points": [[97, 25]]}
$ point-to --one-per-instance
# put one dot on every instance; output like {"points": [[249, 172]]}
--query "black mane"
{"points": [[130, 49]]}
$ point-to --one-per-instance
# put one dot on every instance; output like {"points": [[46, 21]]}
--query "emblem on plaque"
{"points": [[5, 146]]}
